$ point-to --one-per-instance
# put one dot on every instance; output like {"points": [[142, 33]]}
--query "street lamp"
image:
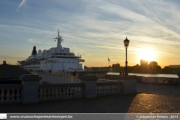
{"points": [[126, 43]]}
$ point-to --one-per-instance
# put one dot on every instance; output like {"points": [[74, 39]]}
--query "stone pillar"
{"points": [[89, 90], [30, 88], [129, 84]]}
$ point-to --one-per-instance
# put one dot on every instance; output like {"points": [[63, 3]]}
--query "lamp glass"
{"points": [[126, 43]]}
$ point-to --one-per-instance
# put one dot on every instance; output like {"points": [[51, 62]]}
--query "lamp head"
{"points": [[126, 42]]}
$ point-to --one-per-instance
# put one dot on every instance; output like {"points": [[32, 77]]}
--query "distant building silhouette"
{"points": [[174, 66], [144, 65], [143, 62], [98, 68]]}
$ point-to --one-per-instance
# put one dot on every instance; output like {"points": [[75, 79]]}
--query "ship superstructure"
{"points": [[55, 59]]}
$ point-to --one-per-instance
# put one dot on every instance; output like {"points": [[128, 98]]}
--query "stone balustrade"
{"points": [[10, 93], [108, 88], [49, 92], [31, 91]]}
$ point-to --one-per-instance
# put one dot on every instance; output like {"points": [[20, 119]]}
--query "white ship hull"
{"points": [[55, 59]]}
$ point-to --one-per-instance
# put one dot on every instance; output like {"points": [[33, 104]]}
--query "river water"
{"points": [[147, 75]]}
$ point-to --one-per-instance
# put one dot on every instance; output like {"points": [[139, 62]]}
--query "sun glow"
{"points": [[146, 55]]}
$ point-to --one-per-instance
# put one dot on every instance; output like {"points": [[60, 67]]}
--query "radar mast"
{"points": [[59, 40]]}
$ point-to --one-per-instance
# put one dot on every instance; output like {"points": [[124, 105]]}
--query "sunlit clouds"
{"points": [[95, 29]]}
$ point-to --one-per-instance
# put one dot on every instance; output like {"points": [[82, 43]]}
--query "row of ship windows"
{"points": [[56, 51], [59, 62], [62, 54], [39, 56]]}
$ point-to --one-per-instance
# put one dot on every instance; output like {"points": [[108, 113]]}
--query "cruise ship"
{"points": [[57, 59]]}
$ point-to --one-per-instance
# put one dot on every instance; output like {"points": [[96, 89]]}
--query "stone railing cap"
{"points": [[30, 77], [178, 74], [124, 77], [88, 78]]}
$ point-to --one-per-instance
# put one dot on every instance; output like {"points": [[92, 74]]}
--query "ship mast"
{"points": [[59, 40]]}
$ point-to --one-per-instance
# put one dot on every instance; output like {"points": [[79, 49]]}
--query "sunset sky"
{"points": [[95, 29]]}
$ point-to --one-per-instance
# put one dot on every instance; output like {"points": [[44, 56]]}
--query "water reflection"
{"points": [[147, 75]]}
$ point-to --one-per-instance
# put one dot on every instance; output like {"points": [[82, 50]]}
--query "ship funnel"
{"points": [[4, 62], [34, 52]]}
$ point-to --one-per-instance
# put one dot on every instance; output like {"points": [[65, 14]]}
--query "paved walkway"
{"points": [[150, 99]]}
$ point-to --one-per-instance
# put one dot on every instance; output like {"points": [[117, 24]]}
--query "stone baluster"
{"points": [[2, 95], [67, 92], [70, 92], [102, 89], [97, 89], [56, 92], [110, 88], [12, 95], [78, 91], [60, 92], [107, 89], [41, 93], [8, 95], [49, 93], [53, 92], [44, 93], [17, 95], [81, 91], [117, 88], [64, 92], [75, 91], [114, 88], [119, 85]]}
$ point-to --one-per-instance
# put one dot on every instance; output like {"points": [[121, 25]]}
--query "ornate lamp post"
{"points": [[126, 43]]}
